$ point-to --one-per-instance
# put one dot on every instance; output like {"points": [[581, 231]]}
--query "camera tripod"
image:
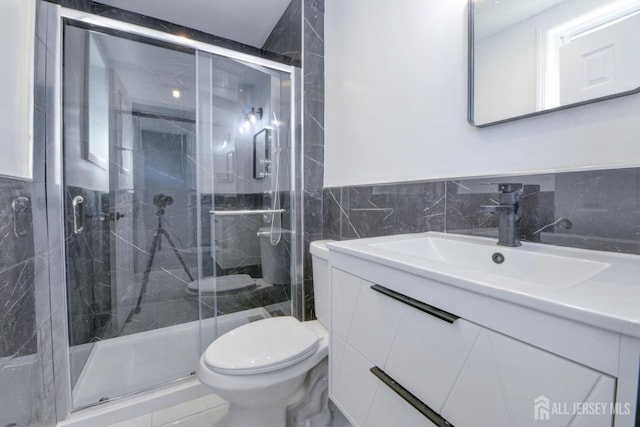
{"points": [[161, 202]]}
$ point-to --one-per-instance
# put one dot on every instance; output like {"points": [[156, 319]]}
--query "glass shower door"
{"points": [[246, 184], [181, 219], [131, 207]]}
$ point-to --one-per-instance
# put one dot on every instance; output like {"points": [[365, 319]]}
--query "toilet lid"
{"points": [[261, 346], [221, 284]]}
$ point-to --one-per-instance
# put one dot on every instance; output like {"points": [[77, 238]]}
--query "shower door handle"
{"points": [[21, 219], [77, 206]]}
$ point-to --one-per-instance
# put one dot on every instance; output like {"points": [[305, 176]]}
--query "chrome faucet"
{"points": [[508, 211]]}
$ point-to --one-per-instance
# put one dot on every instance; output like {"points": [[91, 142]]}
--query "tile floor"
{"points": [[206, 411]]}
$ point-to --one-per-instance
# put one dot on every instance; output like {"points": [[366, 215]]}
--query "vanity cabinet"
{"points": [[396, 360]]}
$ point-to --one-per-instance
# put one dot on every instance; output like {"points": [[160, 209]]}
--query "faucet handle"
{"points": [[509, 188]]}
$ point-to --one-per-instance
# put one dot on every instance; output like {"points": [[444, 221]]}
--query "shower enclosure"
{"points": [[173, 183]]}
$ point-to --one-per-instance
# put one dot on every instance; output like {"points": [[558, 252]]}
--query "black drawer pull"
{"points": [[429, 309], [432, 415]]}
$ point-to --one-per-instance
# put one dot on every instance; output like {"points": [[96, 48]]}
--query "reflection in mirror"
{"points": [[533, 56], [98, 103], [261, 157]]}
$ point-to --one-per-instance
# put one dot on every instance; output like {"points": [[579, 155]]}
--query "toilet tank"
{"points": [[276, 259], [320, 265]]}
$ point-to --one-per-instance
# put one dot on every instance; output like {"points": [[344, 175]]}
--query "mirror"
{"points": [[528, 57], [261, 153]]}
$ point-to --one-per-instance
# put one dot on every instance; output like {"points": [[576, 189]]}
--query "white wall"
{"points": [[17, 23], [396, 105]]}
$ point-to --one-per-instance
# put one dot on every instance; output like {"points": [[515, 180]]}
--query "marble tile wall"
{"points": [[20, 368], [17, 321], [602, 209], [369, 211], [313, 134], [286, 36], [300, 33], [597, 210]]}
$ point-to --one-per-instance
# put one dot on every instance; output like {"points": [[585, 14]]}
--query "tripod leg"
{"points": [[175, 251], [145, 277]]}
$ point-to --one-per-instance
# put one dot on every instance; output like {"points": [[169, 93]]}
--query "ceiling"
{"points": [[246, 21]]}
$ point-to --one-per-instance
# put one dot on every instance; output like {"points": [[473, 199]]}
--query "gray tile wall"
{"points": [[20, 355], [597, 210], [300, 34], [26, 374], [313, 135], [368, 211], [286, 37], [17, 321]]}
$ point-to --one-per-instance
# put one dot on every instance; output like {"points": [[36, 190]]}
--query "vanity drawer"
{"points": [[389, 408], [366, 399], [428, 354], [365, 319], [418, 345]]}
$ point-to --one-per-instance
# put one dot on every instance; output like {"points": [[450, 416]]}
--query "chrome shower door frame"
{"points": [[55, 16]]}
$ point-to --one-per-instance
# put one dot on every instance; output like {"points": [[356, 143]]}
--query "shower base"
{"points": [[122, 366]]}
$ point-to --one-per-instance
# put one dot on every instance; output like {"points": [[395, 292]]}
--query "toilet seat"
{"points": [[222, 284], [262, 346]]}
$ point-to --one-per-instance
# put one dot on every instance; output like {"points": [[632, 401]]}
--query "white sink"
{"points": [[598, 288], [529, 262]]}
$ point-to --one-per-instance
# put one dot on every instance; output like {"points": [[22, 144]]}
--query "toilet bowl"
{"points": [[273, 372]]}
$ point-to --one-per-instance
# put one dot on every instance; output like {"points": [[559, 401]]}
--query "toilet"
{"points": [[274, 372]]}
